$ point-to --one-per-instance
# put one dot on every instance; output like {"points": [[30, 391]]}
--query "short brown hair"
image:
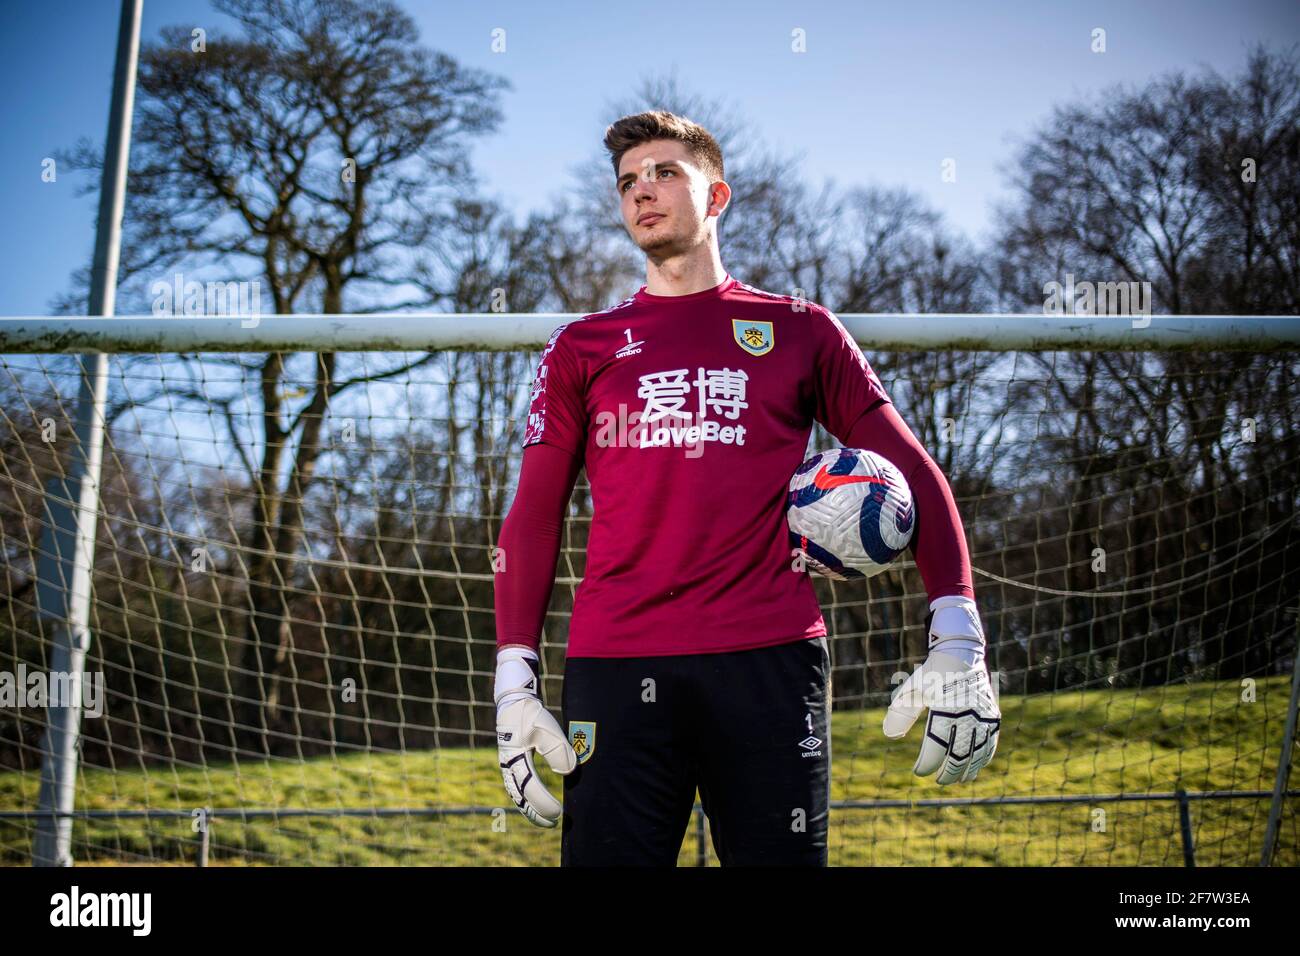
{"points": [[632, 131]]}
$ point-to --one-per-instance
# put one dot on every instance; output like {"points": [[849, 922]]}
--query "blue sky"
{"points": [[883, 94]]}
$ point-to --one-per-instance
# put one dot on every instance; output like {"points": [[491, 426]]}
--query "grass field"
{"points": [[1197, 737]]}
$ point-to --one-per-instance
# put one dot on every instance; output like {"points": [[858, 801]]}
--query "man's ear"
{"points": [[714, 201]]}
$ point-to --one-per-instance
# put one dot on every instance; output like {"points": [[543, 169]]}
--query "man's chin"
{"points": [[658, 247], [662, 245]]}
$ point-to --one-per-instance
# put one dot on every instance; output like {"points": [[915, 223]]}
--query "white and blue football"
{"points": [[850, 513]]}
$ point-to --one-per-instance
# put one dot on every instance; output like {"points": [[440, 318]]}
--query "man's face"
{"points": [[665, 198]]}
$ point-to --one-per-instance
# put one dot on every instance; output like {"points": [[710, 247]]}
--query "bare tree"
{"points": [[1188, 183], [320, 152], [1112, 193], [1249, 154]]}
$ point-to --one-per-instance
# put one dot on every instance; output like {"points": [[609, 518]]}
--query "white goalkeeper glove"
{"points": [[961, 734], [524, 725]]}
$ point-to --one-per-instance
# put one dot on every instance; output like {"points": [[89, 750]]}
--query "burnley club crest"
{"points": [[754, 337]]}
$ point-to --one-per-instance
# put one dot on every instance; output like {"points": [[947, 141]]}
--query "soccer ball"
{"points": [[850, 513]]}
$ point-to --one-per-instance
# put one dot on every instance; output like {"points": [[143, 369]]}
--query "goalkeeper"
{"points": [[697, 654]]}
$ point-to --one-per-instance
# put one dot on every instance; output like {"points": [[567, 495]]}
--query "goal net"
{"points": [[291, 636]]}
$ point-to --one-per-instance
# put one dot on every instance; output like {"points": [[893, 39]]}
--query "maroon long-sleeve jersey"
{"points": [[691, 414]]}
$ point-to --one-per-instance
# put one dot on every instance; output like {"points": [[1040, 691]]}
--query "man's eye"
{"points": [[623, 186]]}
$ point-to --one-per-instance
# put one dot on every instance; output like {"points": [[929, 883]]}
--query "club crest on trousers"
{"points": [[582, 737]]}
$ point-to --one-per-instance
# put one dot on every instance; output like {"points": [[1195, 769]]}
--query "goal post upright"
{"points": [[1285, 758], [68, 540]]}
